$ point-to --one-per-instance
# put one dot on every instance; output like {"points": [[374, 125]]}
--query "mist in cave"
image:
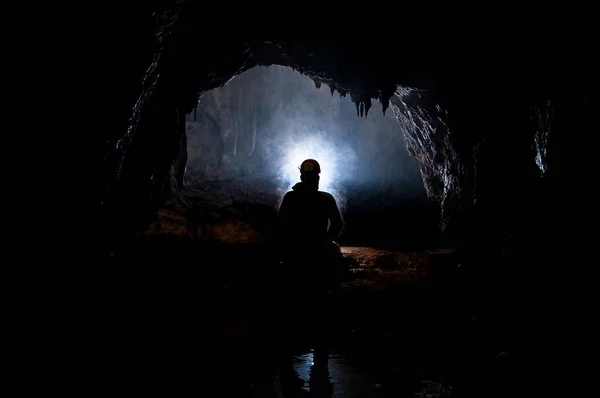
{"points": [[250, 136]]}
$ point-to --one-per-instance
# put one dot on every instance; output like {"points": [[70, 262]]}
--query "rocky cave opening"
{"points": [[241, 153], [459, 212]]}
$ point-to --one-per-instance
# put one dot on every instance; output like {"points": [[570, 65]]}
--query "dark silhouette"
{"points": [[309, 220], [308, 223]]}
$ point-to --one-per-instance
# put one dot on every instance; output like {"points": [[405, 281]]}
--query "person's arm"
{"points": [[335, 218]]}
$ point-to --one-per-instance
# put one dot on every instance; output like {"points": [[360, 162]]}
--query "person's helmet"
{"points": [[310, 166]]}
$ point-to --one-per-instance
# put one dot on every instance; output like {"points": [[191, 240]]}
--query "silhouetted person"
{"points": [[309, 219], [308, 222]]}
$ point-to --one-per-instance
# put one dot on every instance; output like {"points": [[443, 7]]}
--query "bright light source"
{"points": [[311, 148]]}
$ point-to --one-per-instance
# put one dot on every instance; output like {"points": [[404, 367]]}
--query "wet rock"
{"points": [[209, 214], [434, 389], [382, 268], [168, 222], [233, 231], [427, 138], [226, 203]]}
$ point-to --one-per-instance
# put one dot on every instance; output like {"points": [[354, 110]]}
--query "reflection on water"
{"points": [[302, 366], [312, 368], [318, 373]]}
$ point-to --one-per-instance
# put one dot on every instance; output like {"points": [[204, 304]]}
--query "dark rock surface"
{"points": [[227, 212]]}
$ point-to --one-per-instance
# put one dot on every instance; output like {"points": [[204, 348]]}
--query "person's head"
{"points": [[309, 172]]}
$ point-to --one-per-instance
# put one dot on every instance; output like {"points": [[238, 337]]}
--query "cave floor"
{"points": [[395, 325]]}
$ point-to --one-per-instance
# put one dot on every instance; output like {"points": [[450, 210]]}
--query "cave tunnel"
{"points": [[453, 164]]}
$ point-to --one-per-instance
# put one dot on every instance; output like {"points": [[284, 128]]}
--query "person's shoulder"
{"points": [[326, 195], [290, 194]]}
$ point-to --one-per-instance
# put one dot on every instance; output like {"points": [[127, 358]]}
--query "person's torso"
{"points": [[309, 211]]}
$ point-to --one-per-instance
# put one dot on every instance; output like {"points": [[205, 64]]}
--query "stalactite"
{"points": [[235, 141], [254, 128], [368, 105]]}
